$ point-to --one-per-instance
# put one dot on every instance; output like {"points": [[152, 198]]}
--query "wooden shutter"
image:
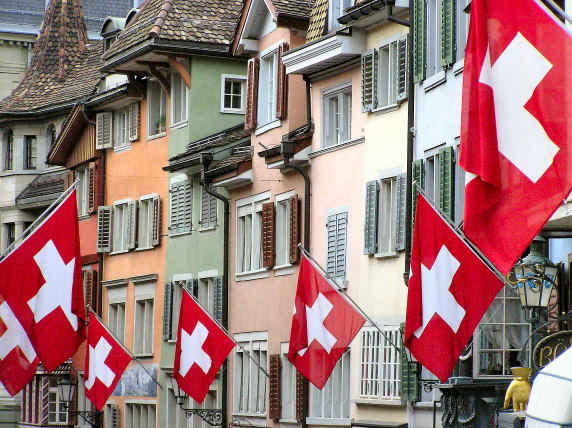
{"points": [[252, 94], [401, 195], [294, 253], [93, 198], [208, 209], [447, 32], [419, 40], [104, 221], [44, 399], [113, 416], [402, 68], [268, 215], [69, 179], [300, 381], [218, 298], [88, 281], [410, 376], [371, 217], [447, 181], [167, 311], [103, 130], [181, 214], [132, 225], [134, 122], [418, 171], [274, 387], [369, 65], [156, 222], [281, 84], [337, 237]]}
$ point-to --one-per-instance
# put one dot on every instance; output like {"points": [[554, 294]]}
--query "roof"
{"points": [[318, 20], [44, 189], [239, 156], [294, 8], [203, 21]]}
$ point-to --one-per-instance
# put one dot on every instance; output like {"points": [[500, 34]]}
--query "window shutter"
{"points": [[410, 376], [193, 285], [69, 179], [156, 222], [402, 69], [167, 311], [134, 122], [268, 214], [181, 218], [44, 400], [419, 40], [103, 128], [401, 195], [114, 415], [88, 281], [274, 387], [337, 231], [369, 64], [447, 32], [93, 188], [371, 217], [252, 94], [418, 171], [282, 85], [132, 226], [208, 209], [300, 396], [294, 229], [447, 181], [218, 298], [104, 219]]}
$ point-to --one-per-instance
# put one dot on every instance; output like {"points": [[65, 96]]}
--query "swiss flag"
{"points": [[323, 326], [41, 281], [449, 290], [105, 361], [202, 346], [516, 125]]}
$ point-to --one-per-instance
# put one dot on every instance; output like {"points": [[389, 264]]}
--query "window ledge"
{"points": [[377, 402], [232, 111], [425, 405], [386, 109], [145, 355], [180, 124], [118, 252], [329, 421], [287, 269], [175, 234], [268, 126], [154, 137], [122, 148], [434, 81], [83, 217], [144, 248], [288, 421], [255, 420], [253, 274], [386, 255], [459, 66], [336, 147], [208, 229]]}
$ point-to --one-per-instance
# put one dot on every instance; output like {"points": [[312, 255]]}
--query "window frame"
{"points": [[121, 117], [461, 31], [287, 386], [267, 95], [387, 215], [339, 91], [129, 408], [143, 329], [82, 174], [250, 343], [60, 407], [122, 205], [8, 158], [30, 162], [150, 102], [182, 97], [145, 203], [233, 78], [390, 78], [283, 199], [433, 37]]}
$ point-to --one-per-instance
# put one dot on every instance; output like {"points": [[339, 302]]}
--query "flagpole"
{"points": [[226, 332], [40, 219], [349, 298], [133, 357]]}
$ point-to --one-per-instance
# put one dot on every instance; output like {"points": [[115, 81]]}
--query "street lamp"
{"points": [[210, 416], [66, 393]]}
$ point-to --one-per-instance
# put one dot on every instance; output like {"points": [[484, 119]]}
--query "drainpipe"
{"points": [[206, 183]]}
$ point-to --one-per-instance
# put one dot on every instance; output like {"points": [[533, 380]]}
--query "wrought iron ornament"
{"points": [[210, 416], [93, 418]]}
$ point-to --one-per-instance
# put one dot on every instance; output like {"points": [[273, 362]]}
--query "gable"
{"points": [[258, 22]]}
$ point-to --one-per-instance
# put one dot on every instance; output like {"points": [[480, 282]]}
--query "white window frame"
{"points": [[282, 229], [129, 416], [121, 130], [461, 29], [338, 91], [233, 78], [287, 386], [117, 297], [145, 203], [179, 281], [182, 97], [122, 205], [267, 88], [432, 167], [388, 74], [143, 329], [61, 414], [433, 46], [206, 291], [332, 18], [151, 102], [251, 405], [82, 174], [459, 186]]}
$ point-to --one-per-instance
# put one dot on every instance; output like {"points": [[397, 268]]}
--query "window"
{"points": [[380, 364], [337, 107], [121, 223], [337, 226], [157, 109], [336, 9], [30, 151], [387, 210], [10, 230], [433, 29], [500, 336], [462, 28], [140, 415], [181, 198], [176, 417], [249, 236], [9, 150], [179, 105], [121, 129], [205, 293], [282, 232], [82, 174], [145, 226], [143, 340], [233, 93], [51, 134], [432, 169], [249, 380], [459, 188], [177, 291], [208, 209], [287, 385], [333, 401], [267, 89], [108, 41], [117, 320], [57, 411]]}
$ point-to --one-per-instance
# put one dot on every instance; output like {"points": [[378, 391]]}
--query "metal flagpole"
{"points": [[39, 220], [227, 332], [133, 357], [349, 298]]}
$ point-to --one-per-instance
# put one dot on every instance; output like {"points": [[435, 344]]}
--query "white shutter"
{"points": [[401, 193], [103, 130], [337, 247], [104, 218], [156, 221], [134, 122], [369, 61], [208, 209], [131, 228]]}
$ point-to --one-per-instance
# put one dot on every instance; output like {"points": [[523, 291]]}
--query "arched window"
{"points": [[8, 150]]}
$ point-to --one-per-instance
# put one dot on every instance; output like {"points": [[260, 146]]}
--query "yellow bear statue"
{"points": [[519, 389]]}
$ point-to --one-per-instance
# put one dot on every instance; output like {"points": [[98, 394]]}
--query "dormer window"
{"points": [[110, 30], [108, 41], [336, 9]]}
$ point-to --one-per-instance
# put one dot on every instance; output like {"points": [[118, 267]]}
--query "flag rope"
{"points": [[349, 299]]}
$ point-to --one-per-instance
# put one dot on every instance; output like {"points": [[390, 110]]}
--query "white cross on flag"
{"points": [[202, 346], [515, 126], [449, 290], [323, 326], [105, 362]]}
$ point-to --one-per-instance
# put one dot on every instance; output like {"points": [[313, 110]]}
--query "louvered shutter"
{"points": [[113, 416], [156, 222], [69, 179], [208, 209], [402, 68], [447, 32], [418, 171], [93, 197], [132, 225], [44, 400], [103, 130], [167, 311], [252, 94], [337, 237], [401, 195], [371, 217], [281, 84], [218, 298], [193, 285], [300, 381], [410, 376], [369, 65], [274, 386], [268, 216], [419, 40], [447, 181], [88, 281], [104, 221], [181, 218], [294, 251], [134, 122]]}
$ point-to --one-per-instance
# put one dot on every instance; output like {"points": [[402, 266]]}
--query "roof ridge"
{"points": [[161, 16]]}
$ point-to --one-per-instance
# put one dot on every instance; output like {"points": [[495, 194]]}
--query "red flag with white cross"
{"points": [[449, 290], [516, 125], [105, 361], [41, 280], [202, 346], [323, 326]]}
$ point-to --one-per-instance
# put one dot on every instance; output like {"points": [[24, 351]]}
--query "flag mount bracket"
{"points": [[212, 417]]}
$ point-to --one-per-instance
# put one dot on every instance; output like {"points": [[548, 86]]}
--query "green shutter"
{"points": [[418, 171], [402, 68], [401, 194], [419, 40], [447, 32], [447, 181], [371, 215], [369, 61], [167, 311], [410, 375], [218, 298]]}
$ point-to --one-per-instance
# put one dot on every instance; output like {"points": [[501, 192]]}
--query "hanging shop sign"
{"points": [[550, 347]]}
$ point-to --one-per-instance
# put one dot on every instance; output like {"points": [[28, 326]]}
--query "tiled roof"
{"points": [[297, 8], [44, 188], [203, 21], [231, 163], [318, 20]]}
